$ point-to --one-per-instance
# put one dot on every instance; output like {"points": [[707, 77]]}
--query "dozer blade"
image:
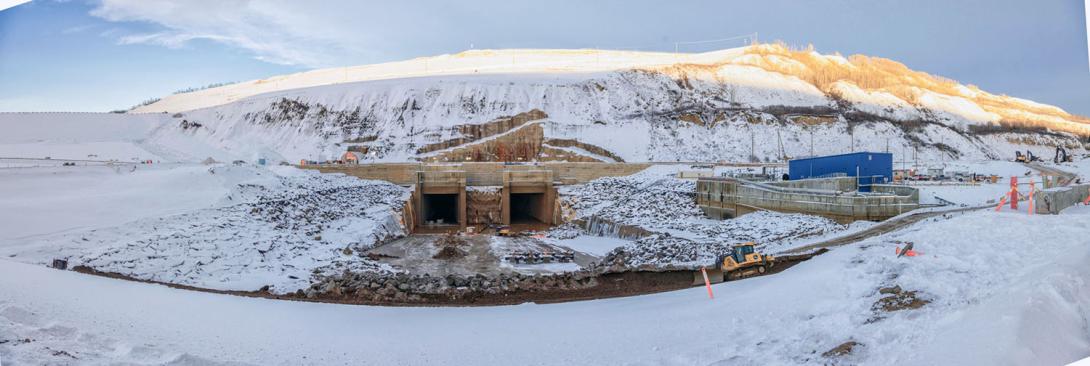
{"points": [[715, 275]]}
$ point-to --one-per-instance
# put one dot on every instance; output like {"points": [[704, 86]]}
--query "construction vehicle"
{"points": [[741, 263], [1019, 158], [1062, 156], [1028, 157], [745, 262], [503, 231]]}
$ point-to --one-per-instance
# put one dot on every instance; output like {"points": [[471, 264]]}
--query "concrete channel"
{"points": [[1046, 202]]}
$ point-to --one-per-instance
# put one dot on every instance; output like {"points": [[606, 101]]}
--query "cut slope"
{"points": [[797, 70]]}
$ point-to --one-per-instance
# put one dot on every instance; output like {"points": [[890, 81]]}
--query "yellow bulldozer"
{"points": [[743, 262]]}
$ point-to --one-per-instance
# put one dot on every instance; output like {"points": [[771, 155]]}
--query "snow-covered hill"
{"points": [[760, 102]]}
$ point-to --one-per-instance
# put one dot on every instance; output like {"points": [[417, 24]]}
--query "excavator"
{"points": [[1019, 158], [1027, 158], [1062, 156]]}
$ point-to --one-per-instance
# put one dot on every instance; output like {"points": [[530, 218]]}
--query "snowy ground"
{"points": [[991, 303], [214, 226], [975, 194], [1000, 288], [655, 201]]}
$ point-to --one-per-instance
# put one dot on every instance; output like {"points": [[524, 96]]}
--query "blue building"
{"points": [[869, 167]]}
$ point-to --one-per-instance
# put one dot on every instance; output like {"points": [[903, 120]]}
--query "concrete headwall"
{"points": [[727, 198], [478, 174], [1052, 201]]}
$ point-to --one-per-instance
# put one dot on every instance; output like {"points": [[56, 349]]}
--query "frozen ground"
{"points": [[976, 194], [664, 205], [990, 303], [38, 201], [214, 226], [1000, 288]]}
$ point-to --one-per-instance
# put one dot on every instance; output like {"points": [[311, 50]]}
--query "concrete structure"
{"points": [[869, 167], [835, 198], [1054, 200], [440, 199], [483, 173], [352, 157], [442, 202], [528, 197]]}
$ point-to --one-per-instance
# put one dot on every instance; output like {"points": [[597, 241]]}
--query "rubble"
{"points": [[843, 349], [663, 250], [279, 233], [415, 288], [660, 214], [898, 299]]}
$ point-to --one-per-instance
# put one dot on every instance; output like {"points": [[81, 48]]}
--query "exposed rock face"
{"points": [[474, 132], [523, 144], [483, 207]]}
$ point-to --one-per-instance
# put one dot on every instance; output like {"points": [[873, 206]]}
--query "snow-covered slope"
{"points": [[754, 103]]}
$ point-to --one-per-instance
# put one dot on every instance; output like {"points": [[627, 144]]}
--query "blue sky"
{"points": [[98, 55]]}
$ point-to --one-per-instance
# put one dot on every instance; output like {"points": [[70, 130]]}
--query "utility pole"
{"points": [[942, 159], [904, 157], [915, 158], [811, 143], [752, 142]]}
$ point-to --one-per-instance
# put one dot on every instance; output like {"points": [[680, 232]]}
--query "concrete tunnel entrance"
{"points": [[442, 202], [439, 209], [529, 208]]}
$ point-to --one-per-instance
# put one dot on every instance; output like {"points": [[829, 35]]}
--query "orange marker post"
{"points": [[1087, 201], [707, 283], [1014, 192], [1032, 189]]}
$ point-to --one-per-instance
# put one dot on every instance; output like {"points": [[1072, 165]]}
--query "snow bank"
{"points": [[42, 201], [990, 303]]}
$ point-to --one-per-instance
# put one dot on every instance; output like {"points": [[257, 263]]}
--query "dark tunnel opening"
{"points": [[440, 209], [528, 208]]}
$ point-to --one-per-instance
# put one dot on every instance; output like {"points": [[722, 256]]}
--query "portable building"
{"points": [[868, 168]]}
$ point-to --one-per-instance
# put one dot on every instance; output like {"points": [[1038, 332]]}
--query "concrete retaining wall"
{"points": [[727, 198], [1052, 201], [839, 184], [482, 173]]}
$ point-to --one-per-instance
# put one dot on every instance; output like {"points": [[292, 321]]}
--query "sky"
{"points": [[100, 55]]}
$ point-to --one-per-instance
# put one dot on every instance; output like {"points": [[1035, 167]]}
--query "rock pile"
{"points": [[415, 288], [660, 251]]}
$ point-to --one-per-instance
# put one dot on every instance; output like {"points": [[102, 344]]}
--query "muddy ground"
{"points": [[608, 285]]}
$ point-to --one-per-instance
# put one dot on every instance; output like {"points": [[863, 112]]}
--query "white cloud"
{"points": [[279, 31], [1086, 6]]}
